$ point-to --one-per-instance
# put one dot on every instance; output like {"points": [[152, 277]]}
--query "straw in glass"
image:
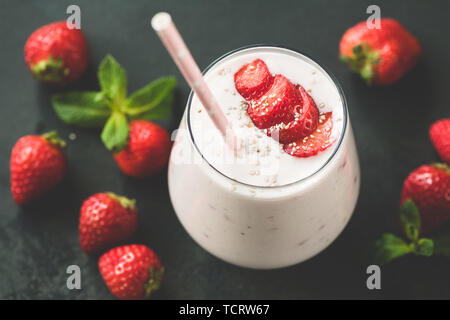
{"points": [[165, 28]]}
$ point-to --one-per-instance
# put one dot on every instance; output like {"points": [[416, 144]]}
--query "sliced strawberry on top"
{"points": [[275, 105], [253, 80], [317, 141], [306, 118]]}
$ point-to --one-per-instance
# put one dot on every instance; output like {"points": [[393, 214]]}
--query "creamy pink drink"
{"points": [[261, 207]]}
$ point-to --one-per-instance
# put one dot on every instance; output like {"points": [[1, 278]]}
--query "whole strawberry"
{"points": [[131, 272], [56, 54], [381, 56], [147, 151], [429, 188], [37, 164], [440, 136], [106, 219]]}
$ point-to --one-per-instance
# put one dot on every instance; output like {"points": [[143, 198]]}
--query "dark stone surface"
{"points": [[390, 124]]}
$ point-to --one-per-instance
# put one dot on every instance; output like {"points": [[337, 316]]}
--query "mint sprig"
{"points": [[390, 247], [110, 108]]}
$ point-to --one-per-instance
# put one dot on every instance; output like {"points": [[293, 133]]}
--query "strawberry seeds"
{"points": [[285, 111]]}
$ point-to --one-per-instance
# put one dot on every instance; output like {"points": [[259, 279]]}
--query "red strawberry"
{"points": [[429, 188], [253, 80], [306, 118], [440, 136], [105, 219], [131, 272], [318, 141], [56, 54], [275, 105], [381, 56], [37, 164], [147, 151]]}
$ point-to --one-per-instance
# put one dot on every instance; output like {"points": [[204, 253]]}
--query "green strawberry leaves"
{"points": [[363, 61], [390, 247], [110, 107]]}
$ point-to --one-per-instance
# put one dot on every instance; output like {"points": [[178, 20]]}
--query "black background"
{"points": [[391, 124]]}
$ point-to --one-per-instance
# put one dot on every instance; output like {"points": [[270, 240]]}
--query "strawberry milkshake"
{"points": [[291, 187]]}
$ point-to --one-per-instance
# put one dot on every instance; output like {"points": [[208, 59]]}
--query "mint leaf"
{"points": [[115, 132], [390, 247], [163, 110], [424, 247], [153, 101], [84, 109], [113, 80], [410, 219]]}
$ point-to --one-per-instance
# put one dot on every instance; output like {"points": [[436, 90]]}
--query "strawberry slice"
{"points": [[275, 105], [253, 80], [306, 118], [318, 141]]}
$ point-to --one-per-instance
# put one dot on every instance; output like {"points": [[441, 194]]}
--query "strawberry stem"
{"points": [[442, 166], [50, 70], [154, 281], [53, 138], [124, 201], [363, 61]]}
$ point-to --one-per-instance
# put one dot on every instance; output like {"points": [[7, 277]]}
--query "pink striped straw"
{"points": [[165, 28]]}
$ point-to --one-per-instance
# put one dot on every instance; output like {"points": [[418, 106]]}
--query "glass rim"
{"points": [[326, 70]]}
